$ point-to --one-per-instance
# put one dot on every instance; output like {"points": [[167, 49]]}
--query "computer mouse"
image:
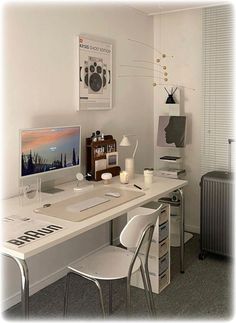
{"points": [[113, 194]]}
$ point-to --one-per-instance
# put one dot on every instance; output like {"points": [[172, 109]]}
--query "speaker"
{"points": [[83, 74], [175, 196], [94, 75]]}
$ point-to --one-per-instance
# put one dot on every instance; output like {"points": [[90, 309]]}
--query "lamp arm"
{"points": [[135, 149]]}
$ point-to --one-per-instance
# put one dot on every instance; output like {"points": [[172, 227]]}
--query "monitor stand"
{"points": [[48, 187]]}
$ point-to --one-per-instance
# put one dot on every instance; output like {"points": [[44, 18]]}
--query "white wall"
{"points": [[39, 90], [39, 69], [180, 34]]}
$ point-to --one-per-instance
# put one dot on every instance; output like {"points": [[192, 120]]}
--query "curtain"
{"points": [[217, 120]]}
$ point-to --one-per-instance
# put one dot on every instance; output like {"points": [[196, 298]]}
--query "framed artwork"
{"points": [[171, 131], [95, 73], [112, 159]]}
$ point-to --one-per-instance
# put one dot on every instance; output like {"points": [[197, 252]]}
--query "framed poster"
{"points": [[112, 159], [95, 73]]}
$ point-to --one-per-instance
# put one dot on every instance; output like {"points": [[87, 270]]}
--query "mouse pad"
{"points": [[86, 205]]}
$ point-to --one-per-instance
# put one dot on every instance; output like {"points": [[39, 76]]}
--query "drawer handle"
{"points": [[163, 228], [163, 276]]}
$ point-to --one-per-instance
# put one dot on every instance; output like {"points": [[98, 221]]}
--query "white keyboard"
{"points": [[87, 204]]}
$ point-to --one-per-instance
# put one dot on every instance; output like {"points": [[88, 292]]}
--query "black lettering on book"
{"points": [[26, 239], [34, 234], [16, 242], [54, 227]]}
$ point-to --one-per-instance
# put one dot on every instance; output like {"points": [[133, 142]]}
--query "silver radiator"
{"points": [[216, 213]]}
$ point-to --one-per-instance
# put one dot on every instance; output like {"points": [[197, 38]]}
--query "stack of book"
{"points": [[171, 172]]}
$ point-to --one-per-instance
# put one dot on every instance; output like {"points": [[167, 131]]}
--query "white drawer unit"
{"points": [[159, 255]]}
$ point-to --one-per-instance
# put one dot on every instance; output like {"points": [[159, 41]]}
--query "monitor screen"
{"points": [[49, 149], [171, 131]]}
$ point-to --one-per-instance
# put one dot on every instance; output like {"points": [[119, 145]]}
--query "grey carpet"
{"points": [[204, 291]]}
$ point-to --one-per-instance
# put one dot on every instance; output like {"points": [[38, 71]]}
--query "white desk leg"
{"points": [[24, 284], [182, 230]]}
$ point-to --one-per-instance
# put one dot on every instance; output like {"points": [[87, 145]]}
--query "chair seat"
{"points": [[109, 263]]}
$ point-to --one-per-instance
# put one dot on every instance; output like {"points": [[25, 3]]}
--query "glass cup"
{"points": [[124, 177], [148, 176]]}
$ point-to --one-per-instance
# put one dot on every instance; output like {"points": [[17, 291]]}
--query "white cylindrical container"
{"points": [[124, 177], [148, 176], [106, 177], [129, 167]]}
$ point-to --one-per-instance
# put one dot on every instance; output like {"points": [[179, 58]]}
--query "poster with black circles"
{"points": [[95, 73]]}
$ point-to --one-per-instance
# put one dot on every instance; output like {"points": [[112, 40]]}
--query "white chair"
{"points": [[112, 263]]}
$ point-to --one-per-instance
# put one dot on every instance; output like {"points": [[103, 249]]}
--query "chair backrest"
{"points": [[132, 232]]}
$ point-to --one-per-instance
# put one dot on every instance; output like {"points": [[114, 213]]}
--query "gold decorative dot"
{"points": [[163, 55], [158, 60], [164, 67], [165, 73], [165, 79], [154, 84]]}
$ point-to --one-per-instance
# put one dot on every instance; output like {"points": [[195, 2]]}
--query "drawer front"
{"points": [[163, 263], [163, 217], [163, 231], [159, 249], [163, 247], [163, 280]]}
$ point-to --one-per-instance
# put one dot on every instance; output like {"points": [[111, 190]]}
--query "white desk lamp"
{"points": [[129, 162]]}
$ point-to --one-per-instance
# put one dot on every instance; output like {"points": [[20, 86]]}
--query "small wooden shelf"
{"points": [[96, 151]]}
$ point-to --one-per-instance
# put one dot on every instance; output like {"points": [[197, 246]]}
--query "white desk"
{"points": [[161, 187]]}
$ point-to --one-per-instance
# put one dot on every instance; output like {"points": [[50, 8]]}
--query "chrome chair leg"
{"points": [[67, 291], [95, 281], [66, 294], [150, 290], [100, 295], [110, 297], [128, 302], [146, 289]]}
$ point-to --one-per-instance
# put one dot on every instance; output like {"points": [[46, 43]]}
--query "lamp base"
{"points": [[129, 167]]}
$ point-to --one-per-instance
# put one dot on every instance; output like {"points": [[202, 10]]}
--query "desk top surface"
{"points": [[11, 207]]}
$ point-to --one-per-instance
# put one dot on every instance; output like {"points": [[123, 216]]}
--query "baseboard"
{"points": [[37, 286]]}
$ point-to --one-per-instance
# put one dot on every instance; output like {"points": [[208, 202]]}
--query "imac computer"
{"points": [[49, 150], [171, 131]]}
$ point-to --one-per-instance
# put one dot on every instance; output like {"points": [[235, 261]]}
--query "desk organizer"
{"points": [[96, 157], [159, 255]]}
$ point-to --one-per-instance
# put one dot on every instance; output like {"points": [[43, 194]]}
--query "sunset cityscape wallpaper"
{"points": [[48, 149]]}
